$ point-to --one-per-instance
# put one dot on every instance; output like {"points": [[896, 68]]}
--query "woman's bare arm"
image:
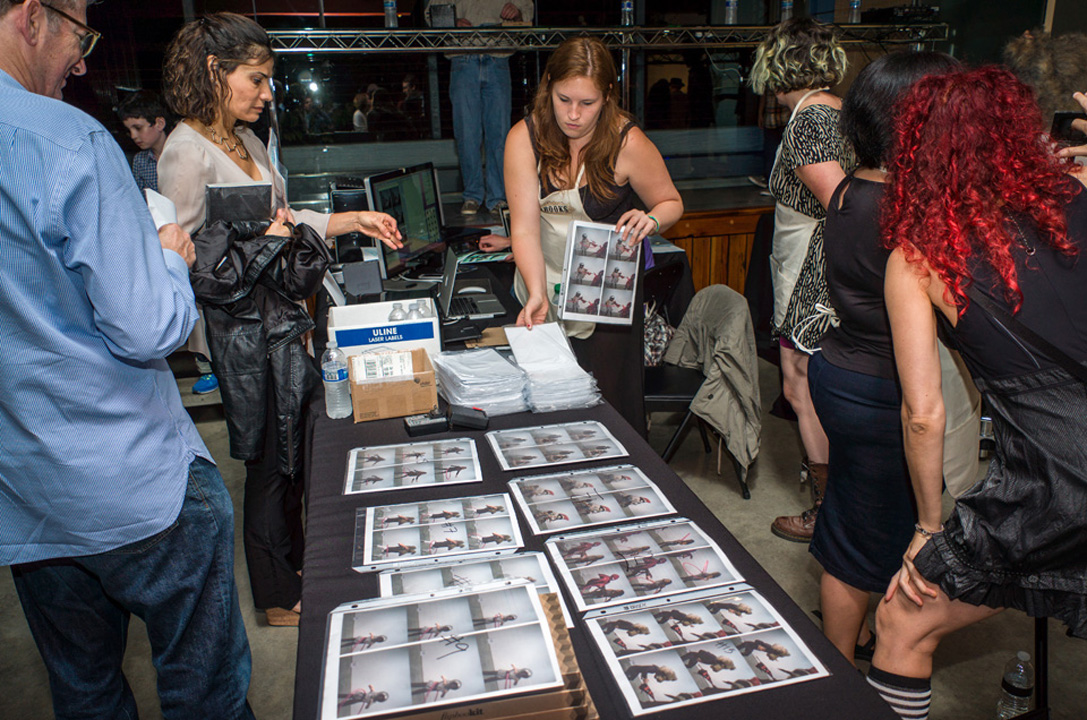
{"points": [[522, 188]]}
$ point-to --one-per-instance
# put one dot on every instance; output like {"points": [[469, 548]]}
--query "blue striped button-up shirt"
{"points": [[94, 443]]}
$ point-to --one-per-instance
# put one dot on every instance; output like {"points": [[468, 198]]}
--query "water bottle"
{"points": [[854, 11], [337, 388], [557, 297], [627, 12], [390, 14], [786, 10], [1016, 688], [413, 312], [398, 313], [730, 11]]}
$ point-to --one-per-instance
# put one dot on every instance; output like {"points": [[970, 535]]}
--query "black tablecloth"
{"points": [[329, 581]]}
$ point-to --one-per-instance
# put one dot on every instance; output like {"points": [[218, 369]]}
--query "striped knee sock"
{"points": [[909, 697]]}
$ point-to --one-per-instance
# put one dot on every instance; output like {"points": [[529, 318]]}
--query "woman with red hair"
{"points": [[986, 225]]}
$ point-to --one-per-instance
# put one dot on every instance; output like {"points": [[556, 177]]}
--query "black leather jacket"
{"points": [[250, 285]]}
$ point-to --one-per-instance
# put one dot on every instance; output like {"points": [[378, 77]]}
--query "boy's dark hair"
{"points": [[143, 104]]}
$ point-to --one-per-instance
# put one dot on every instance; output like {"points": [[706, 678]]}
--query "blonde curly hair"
{"points": [[797, 55]]}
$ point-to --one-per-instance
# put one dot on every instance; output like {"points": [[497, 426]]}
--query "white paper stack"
{"points": [[555, 380], [482, 379]]}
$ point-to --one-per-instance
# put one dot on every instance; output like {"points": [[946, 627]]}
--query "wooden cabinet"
{"points": [[718, 244]]}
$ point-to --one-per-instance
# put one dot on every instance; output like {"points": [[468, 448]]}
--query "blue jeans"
{"points": [[479, 88], [180, 582]]}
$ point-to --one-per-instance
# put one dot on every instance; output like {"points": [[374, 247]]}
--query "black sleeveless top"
{"points": [[1054, 303], [601, 211], [856, 265]]}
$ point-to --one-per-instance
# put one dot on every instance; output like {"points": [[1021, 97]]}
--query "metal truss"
{"points": [[538, 38]]}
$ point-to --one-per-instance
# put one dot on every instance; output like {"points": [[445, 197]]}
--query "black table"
{"points": [[329, 581]]}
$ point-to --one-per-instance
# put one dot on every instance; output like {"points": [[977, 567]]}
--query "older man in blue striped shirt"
{"points": [[109, 501]]}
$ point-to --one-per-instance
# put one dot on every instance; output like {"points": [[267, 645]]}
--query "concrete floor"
{"points": [[968, 666]]}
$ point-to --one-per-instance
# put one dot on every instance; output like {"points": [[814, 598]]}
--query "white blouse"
{"points": [[190, 162]]}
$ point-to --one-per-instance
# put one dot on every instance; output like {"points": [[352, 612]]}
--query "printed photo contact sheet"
{"points": [[412, 465], [698, 648], [419, 651], [600, 273], [550, 445], [618, 565], [434, 531], [583, 498]]}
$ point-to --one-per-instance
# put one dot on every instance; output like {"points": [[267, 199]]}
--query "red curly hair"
{"points": [[970, 162]]}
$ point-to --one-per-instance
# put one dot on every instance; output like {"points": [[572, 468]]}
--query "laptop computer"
{"points": [[469, 299]]}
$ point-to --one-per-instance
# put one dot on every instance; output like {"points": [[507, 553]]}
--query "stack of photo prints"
{"points": [[434, 531], [550, 445], [584, 498], [389, 467], [599, 274], [425, 651]]}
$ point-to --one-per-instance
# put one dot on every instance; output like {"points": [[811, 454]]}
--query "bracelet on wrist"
{"points": [[655, 222], [927, 534]]}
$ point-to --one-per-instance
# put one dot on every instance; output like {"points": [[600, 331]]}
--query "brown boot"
{"points": [[799, 528]]}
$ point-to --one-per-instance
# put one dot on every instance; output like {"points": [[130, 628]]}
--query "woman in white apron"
{"points": [[579, 156], [798, 62]]}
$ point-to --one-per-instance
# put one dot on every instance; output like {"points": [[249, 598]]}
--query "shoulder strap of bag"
{"points": [[1032, 338]]}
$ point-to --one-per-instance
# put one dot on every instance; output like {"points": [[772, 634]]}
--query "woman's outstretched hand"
{"points": [[381, 226]]}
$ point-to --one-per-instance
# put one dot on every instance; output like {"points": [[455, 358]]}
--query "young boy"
{"points": [[144, 115]]}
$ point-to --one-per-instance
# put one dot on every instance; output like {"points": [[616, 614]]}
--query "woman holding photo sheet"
{"points": [[578, 156]]}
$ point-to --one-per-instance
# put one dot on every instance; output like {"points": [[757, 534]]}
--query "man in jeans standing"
{"points": [[109, 502], [479, 87]]}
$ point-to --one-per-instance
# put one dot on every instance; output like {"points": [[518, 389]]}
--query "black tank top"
{"points": [[1054, 303], [856, 264], [601, 211]]}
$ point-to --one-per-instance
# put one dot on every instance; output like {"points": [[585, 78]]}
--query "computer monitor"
{"points": [[411, 196]]}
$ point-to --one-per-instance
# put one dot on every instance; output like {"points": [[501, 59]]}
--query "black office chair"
{"points": [[669, 388]]}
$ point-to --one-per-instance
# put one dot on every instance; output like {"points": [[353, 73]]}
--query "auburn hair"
{"points": [[970, 165], [580, 57], [191, 88]]}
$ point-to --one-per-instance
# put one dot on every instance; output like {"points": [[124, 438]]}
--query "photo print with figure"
{"points": [[704, 647], [549, 445], [391, 467], [434, 531], [417, 651], [604, 496], [530, 566], [619, 565], [600, 273]]}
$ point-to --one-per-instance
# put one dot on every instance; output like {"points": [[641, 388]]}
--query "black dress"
{"points": [[1019, 537]]}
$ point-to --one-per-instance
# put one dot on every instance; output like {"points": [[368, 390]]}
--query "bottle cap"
{"points": [[1023, 655], [331, 343]]}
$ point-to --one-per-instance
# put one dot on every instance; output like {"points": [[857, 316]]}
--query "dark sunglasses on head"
{"points": [[87, 41]]}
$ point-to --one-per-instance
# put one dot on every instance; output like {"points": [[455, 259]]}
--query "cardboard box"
{"points": [[357, 328], [377, 400]]}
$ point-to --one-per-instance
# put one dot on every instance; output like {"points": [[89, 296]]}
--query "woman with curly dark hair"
{"points": [[987, 226], [579, 156], [218, 73]]}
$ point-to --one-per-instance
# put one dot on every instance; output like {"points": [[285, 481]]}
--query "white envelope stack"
{"points": [[555, 380], [482, 379]]}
